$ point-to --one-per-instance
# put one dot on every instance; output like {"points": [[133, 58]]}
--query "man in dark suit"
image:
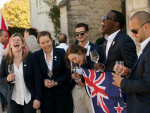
{"points": [[119, 47], [137, 85]]}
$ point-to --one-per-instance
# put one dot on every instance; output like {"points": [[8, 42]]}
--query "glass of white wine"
{"points": [[49, 73], [119, 68], [11, 70], [94, 56], [73, 67]]}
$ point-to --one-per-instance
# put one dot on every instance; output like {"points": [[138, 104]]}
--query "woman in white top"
{"points": [[24, 82]]}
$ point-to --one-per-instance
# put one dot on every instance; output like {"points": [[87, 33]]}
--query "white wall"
{"points": [[38, 16]]}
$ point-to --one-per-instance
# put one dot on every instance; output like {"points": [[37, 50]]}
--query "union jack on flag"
{"points": [[105, 97]]}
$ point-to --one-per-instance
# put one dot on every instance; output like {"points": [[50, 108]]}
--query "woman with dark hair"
{"points": [[55, 75], [79, 55], [24, 82]]}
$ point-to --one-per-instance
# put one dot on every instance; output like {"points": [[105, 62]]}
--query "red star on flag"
{"points": [[119, 109]]}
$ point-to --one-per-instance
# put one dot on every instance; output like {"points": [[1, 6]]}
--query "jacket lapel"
{"points": [[24, 70], [42, 61], [112, 46], [55, 58], [141, 55]]}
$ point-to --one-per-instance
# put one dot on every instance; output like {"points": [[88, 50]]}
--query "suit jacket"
{"points": [[61, 74], [138, 84], [121, 49], [31, 75]]}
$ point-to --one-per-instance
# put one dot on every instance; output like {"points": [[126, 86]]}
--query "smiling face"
{"points": [[82, 38], [77, 58], [108, 24], [46, 43], [16, 44]]}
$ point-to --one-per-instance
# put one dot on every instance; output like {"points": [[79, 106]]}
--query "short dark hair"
{"points": [[82, 25], [62, 38], [43, 33], [73, 49], [32, 32], [119, 17], [1, 32]]}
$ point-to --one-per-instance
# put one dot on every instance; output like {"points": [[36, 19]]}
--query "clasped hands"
{"points": [[78, 77], [49, 83]]}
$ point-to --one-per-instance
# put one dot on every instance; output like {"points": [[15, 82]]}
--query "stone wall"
{"points": [[89, 12], [38, 16], [133, 6]]}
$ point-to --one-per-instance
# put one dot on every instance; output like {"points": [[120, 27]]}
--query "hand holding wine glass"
{"points": [[11, 76], [119, 70]]}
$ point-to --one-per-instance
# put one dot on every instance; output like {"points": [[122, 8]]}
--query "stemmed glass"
{"points": [[11, 70], [94, 56], [73, 69], [49, 73], [119, 68]]}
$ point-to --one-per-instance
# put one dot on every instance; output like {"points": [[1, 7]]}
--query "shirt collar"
{"points": [[50, 53], [144, 43], [112, 36], [1, 45], [86, 46]]}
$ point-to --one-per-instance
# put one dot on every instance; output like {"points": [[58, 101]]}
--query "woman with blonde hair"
{"points": [[20, 72]]}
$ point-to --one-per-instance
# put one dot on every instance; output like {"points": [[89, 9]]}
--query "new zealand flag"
{"points": [[105, 97]]}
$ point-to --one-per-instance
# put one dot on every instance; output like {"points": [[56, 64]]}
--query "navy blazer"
{"points": [[122, 49], [137, 85], [31, 76], [61, 74]]}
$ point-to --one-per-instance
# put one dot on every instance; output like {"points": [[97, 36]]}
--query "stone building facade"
{"points": [[86, 11]]}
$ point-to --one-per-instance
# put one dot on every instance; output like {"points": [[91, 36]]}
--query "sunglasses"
{"points": [[80, 33], [107, 18], [135, 31]]}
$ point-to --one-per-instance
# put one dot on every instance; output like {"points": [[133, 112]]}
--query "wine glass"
{"points": [[49, 73], [119, 68], [73, 66], [94, 56], [73, 69], [11, 70]]}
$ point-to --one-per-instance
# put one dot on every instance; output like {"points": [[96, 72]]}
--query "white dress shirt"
{"points": [[110, 39], [1, 52], [63, 46], [143, 44], [50, 63], [20, 92]]}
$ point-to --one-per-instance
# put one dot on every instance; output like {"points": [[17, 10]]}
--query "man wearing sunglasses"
{"points": [[80, 98], [120, 47], [137, 86]]}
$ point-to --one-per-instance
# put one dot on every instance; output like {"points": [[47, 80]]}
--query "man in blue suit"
{"points": [[137, 86]]}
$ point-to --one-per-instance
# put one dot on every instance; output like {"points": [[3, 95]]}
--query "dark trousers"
{"points": [[55, 103], [16, 108], [70, 104]]}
